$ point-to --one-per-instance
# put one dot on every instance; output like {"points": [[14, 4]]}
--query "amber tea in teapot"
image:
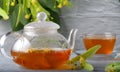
{"points": [[45, 58]]}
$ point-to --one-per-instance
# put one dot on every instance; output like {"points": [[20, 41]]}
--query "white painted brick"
{"points": [[91, 16], [5, 26]]}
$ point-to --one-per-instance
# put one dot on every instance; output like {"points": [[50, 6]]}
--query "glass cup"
{"points": [[106, 40]]}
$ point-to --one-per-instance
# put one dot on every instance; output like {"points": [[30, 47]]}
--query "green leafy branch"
{"points": [[21, 12], [81, 59]]}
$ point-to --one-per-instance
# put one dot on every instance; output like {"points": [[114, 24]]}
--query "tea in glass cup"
{"points": [[106, 40]]}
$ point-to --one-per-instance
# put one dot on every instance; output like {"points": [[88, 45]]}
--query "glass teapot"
{"points": [[40, 46]]}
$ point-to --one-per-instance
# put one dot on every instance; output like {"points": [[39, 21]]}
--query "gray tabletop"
{"points": [[7, 65]]}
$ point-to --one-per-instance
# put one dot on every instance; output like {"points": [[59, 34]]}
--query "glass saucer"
{"points": [[114, 56]]}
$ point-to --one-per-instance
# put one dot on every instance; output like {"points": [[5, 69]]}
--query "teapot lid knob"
{"points": [[41, 16], [41, 25]]}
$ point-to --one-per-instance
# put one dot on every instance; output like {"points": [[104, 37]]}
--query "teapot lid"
{"points": [[41, 24]]}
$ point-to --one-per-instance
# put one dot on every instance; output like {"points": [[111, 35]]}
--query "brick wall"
{"points": [[91, 16]]}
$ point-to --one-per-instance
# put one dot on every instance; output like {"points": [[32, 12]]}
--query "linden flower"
{"points": [[66, 2], [34, 1], [27, 16], [60, 5], [12, 4], [22, 12], [63, 3]]}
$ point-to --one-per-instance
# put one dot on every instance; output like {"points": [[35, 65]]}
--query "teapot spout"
{"points": [[72, 32]]}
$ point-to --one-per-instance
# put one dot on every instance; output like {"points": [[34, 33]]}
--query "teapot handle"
{"points": [[74, 31], [2, 42]]}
